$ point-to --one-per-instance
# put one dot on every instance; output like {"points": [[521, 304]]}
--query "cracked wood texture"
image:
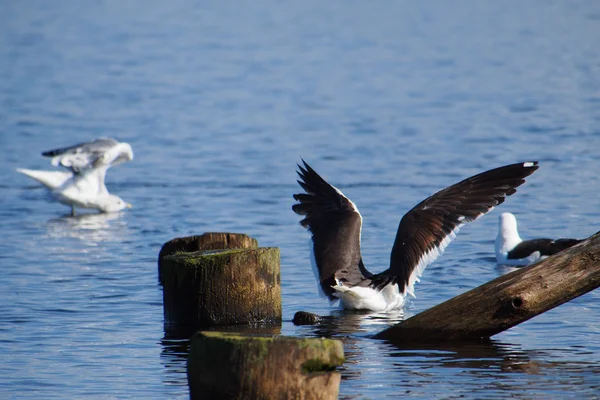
{"points": [[219, 278], [507, 300], [222, 287]]}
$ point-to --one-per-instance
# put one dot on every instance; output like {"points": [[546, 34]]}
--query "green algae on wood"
{"points": [[222, 287], [225, 365], [206, 241]]}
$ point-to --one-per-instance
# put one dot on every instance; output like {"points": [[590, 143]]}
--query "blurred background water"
{"points": [[389, 101]]}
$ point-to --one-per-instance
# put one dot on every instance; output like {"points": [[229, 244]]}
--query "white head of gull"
{"points": [[512, 250], [423, 234], [82, 185]]}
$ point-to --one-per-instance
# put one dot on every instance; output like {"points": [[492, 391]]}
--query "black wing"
{"points": [[546, 247], [335, 224], [426, 230]]}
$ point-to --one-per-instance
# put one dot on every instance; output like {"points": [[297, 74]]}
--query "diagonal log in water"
{"points": [[507, 300]]}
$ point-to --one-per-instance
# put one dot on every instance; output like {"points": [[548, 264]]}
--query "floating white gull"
{"points": [[83, 184], [423, 234], [512, 250]]}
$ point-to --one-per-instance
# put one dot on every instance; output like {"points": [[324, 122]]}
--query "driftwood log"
{"points": [[508, 300], [222, 287], [229, 366], [206, 241]]}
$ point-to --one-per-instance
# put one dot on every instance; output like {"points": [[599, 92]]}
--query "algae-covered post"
{"points": [[228, 366], [222, 287], [206, 241], [508, 300]]}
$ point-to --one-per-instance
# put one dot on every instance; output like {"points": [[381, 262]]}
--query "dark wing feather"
{"points": [[335, 224], [546, 247], [425, 231]]}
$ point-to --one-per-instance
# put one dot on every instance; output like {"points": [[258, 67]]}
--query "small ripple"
{"points": [[57, 310], [32, 383], [112, 296], [522, 108], [62, 280], [542, 129], [19, 320], [106, 278], [27, 123]]}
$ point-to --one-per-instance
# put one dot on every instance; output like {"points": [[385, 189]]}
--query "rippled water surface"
{"points": [[390, 101]]}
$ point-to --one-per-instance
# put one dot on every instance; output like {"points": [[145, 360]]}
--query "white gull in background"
{"points": [[512, 250], [424, 232], [82, 185]]}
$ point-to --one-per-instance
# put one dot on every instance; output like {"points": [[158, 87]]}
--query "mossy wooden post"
{"points": [[228, 366], [206, 241], [508, 300], [222, 287]]}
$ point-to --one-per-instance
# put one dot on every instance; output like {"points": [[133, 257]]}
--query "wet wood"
{"points": [[229, 366], [206, 241], [306, 318], [222, 287], [508, 300]]}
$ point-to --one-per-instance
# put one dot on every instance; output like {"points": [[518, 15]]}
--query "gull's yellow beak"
{"points": [[129, 205]]}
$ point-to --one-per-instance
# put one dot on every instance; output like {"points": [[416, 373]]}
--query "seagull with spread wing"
{"points": [[82, 185], [423, 234]]}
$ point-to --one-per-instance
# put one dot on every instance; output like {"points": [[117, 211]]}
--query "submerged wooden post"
{"points": [[507, 300], [222, 287], [206, 241], [229, 366]]}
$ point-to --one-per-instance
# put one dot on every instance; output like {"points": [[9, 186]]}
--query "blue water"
{"points": [[390, 101]]}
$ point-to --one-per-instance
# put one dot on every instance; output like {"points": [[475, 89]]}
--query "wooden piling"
{"points": [[206, 241], [222, 287], [229, 366], [507, 300]]}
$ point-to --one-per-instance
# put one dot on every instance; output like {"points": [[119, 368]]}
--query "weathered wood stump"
{"points": [[228, 366], [222, 287], [206, 241], [508, 300]]}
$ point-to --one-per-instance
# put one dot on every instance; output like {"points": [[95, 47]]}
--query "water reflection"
{"points": [[90, 228], [483, 355], [354, 329], [484, 358], [344, 323], [478, 368], [176, 341], [489, 367], [175, 346]]}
